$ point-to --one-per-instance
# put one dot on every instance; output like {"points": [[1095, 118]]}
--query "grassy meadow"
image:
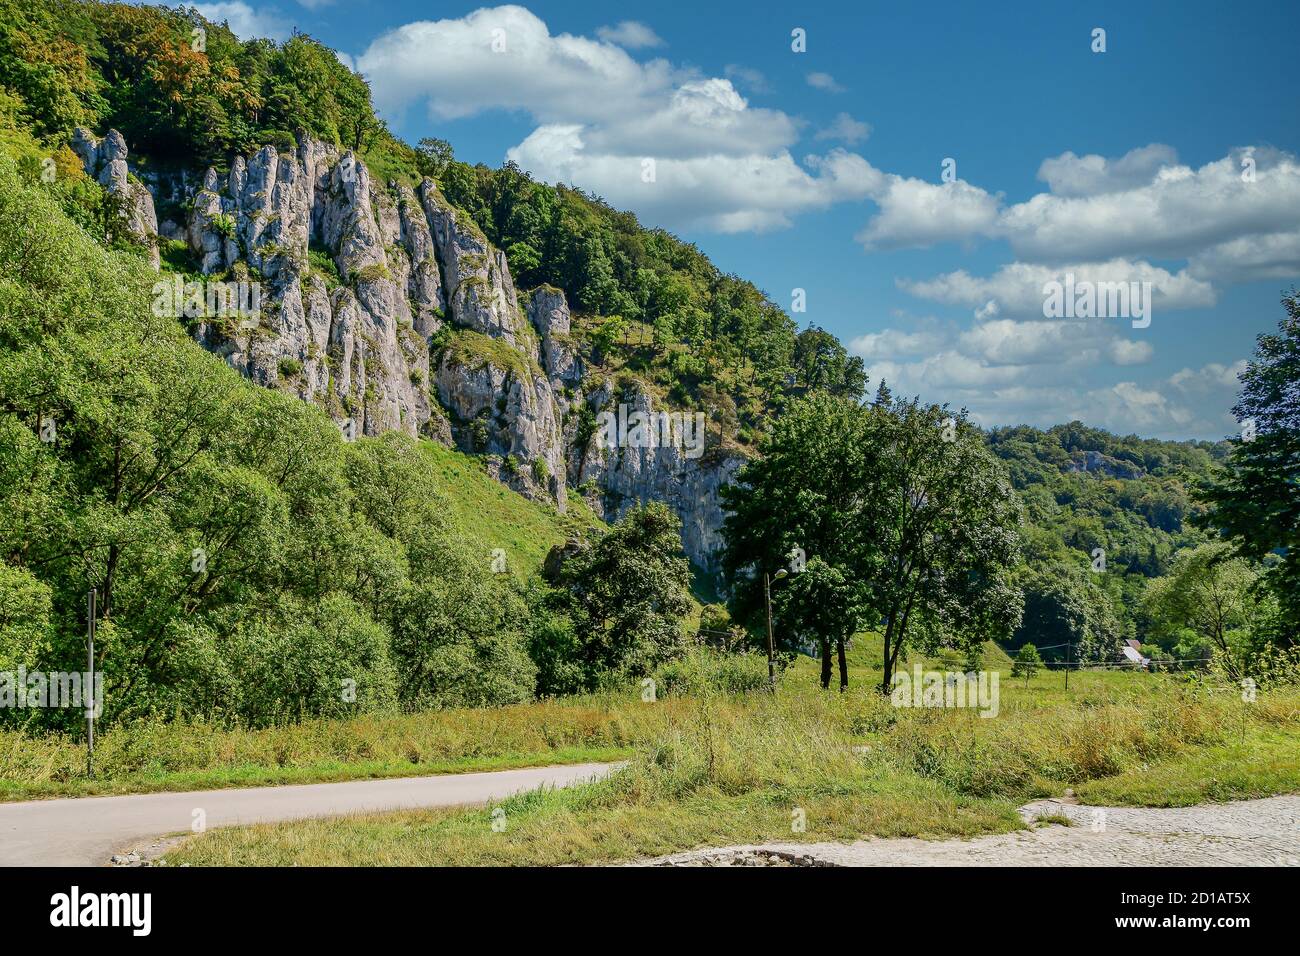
{"points": [[152, 757], [715, 768]]}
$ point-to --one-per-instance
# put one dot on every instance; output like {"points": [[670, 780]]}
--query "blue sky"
{"points": [[822, 170]]}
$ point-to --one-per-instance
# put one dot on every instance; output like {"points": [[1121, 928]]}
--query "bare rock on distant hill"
{"points": [[1096, 462]]}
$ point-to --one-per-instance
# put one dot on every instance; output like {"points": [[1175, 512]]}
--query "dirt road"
{"points": [[1247, 833]]}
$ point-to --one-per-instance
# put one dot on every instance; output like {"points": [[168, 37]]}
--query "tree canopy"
{"points": [[903, 500], [626, 595], [1256, 502]]}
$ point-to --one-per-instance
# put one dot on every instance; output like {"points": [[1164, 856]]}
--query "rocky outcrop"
{"points": [[1096, 462], [548, 311], [336, 327], [357, 337], [480, 292], [388, 307], [507, 410], [105, 162], [628, 474], [418, 266]]}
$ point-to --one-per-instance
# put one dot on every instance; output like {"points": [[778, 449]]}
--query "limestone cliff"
{"points": [[389, 308], [631, 475]]}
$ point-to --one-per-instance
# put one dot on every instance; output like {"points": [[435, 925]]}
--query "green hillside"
{"points": [[1106, 515], [494, 516]]}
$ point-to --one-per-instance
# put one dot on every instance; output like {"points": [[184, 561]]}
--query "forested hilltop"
{"points": [[1105, 516], [265, 505]]}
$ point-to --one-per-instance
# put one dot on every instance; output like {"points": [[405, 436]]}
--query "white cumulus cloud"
{"points": [[1232, 220], [1042, 372], [1091, 175], [1017, 288], [244, 21], [746, 77], [683, 149], [735, 193], [916, 213], [631, 34], [846, 129], [824, 82]]}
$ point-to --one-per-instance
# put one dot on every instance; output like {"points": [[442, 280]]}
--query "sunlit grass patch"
{"points": [[742, 769]]}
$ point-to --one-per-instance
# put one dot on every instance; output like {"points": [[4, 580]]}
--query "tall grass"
{"points": [[132, 755], [722, 769], [806, 742], [701, 738], [1030, 749]]}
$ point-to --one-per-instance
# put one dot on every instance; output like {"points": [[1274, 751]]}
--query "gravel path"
{"points": [[1249, 833]]}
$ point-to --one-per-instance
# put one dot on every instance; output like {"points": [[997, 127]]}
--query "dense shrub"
{"points": [[702, 671]]}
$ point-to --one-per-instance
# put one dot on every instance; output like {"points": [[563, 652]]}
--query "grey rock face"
{"points": [[505, 413], [480, 293], [629, 476], [420, 265], [357, 279], [549, 313], [105, 161], [344, 336], [1095, 461], [406, 264]]}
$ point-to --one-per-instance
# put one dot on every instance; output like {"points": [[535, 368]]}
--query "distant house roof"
{"points": [[1131, 654]]}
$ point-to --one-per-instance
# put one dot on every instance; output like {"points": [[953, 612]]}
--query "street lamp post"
{"points": [[771, 645]]}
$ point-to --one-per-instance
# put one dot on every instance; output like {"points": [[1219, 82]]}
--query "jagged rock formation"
{"points": [[502, 405], [549, 313], [389, 307], [349, 328], [628, 476], [1095, 461], [105, 161]]}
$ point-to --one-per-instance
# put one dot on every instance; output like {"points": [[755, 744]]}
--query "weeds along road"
{"points": [[86, 831]]}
